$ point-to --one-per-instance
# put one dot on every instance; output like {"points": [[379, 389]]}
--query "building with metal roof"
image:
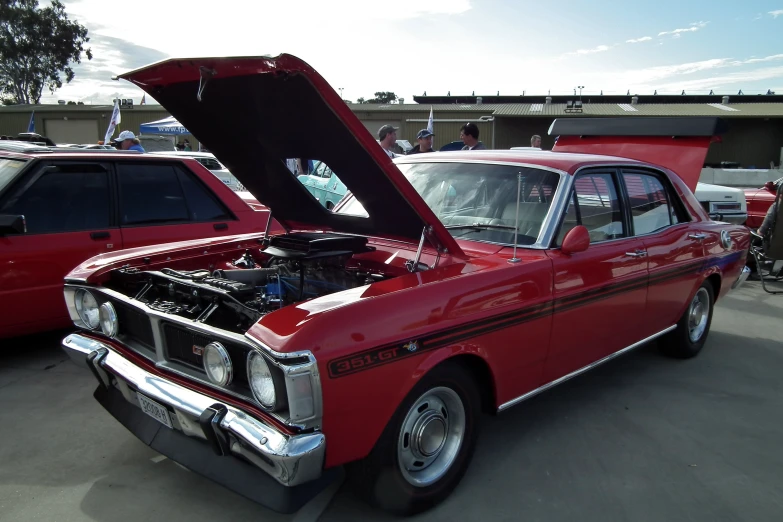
{"points": [[754, 139]]}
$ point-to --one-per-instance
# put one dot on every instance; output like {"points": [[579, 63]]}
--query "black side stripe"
{"points": [[402, 349]]}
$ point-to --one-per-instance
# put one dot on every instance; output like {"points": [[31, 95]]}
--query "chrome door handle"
{"points": [[698, 237], [636, 253]]}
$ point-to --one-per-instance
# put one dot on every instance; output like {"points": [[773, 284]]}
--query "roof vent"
{"points": [[725, 100], [548, 100], [479, 100], [61, 102], [634, 100]]}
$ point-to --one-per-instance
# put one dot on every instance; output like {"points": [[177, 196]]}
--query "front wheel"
{"points": [[690, 335], [427, 446]]}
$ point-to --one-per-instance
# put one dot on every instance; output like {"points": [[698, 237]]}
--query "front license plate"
{"points": [[154, 410]]}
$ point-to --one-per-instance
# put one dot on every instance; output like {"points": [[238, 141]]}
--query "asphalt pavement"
{"points": [[641, 438]]}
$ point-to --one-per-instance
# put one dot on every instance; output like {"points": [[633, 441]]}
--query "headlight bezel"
{"points": [[224, 358], [107, 309], [252, 356], [78, 301]]}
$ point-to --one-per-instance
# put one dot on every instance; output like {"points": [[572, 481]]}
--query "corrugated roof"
{"points": [[55, 107], [415, 107], [671, 109]]}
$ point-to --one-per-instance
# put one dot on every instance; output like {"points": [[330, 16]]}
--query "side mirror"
{"points": [[576, 240], [12, 224], [769, 185]]}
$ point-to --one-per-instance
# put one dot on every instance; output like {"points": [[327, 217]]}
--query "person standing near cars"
{"points": [[469, 134], [424, 137], [128, 141], [387, 137]]}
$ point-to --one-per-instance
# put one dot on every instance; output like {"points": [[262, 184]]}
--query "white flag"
{"points": [[115, 120], [429, 123]]}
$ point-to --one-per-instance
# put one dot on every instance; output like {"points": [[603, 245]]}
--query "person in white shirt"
{"points": [[387, 137]]}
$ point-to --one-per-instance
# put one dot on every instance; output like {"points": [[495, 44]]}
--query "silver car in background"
{"points": [[212, 164]]}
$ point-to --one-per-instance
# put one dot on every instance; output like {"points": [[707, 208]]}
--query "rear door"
{"points": [[68, 211], [674, 252], [166, 202], [599, 294]]}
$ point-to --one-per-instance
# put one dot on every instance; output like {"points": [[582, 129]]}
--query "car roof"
{"points": [[565, 161]]}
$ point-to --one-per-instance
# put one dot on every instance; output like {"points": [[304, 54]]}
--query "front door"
{"points": [[67, 208], [599, 294]]}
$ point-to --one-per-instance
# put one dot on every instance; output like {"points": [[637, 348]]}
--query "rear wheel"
{"points": [[425, 449], [690, 335]]}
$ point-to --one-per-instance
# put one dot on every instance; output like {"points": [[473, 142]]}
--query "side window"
{"points": [[650, 207], [150, 194], [66, 198], [201, 202], [595, 205]]}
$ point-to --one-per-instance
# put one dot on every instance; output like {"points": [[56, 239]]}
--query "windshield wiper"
{"points": [[480, 226]]}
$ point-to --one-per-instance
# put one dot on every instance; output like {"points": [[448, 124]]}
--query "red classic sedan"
{"points": [[759, 201], [59, 208], [374, 335]]}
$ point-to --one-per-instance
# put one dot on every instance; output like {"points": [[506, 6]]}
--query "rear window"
{"points": [[9, 168]]}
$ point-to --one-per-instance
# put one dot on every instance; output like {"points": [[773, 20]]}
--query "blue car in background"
{"points": [[324, 185]]}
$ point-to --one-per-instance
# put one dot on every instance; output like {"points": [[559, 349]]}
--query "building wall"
{"points": [[516, 132], [446, 125], [751, 142]]}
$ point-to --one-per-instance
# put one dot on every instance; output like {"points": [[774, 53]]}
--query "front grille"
{"points": [[134, 325], [185, 346]]}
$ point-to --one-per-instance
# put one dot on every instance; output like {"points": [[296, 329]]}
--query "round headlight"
{"points": [[87, 308], [260, 378], [217, 364], [108, 319]]}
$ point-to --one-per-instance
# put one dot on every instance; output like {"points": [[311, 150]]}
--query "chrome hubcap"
{"points": [[431, 436], [698, 314]]}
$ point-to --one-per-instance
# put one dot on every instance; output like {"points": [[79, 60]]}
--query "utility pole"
{"points": [[341, 92], [580, 87]]}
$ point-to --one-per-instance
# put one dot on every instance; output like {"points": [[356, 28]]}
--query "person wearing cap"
{"points": [[128, 141], [424, 137], [469, 134], [387, 137]]}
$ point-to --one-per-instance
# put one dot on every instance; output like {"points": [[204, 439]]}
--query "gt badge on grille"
{"points": [[198, 350]]}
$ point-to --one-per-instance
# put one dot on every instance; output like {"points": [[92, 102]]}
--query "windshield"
{"points": [[465, 194], [8, 170]]}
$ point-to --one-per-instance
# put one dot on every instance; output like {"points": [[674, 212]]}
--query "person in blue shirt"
{"points": [[128, 141]]}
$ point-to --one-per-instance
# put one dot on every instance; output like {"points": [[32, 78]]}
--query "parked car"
{"points": [[324, 185], [723, 203], [77, 204], [759, 201], [375, 335], [209, 160]]}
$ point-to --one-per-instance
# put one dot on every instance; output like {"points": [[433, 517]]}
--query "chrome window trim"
{"points": [[275, 358]]}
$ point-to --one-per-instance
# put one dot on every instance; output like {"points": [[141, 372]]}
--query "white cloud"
{"points": [[765, 59], [599, 49], [638, 40], [776, 13], [695, 26], [738, 78]]}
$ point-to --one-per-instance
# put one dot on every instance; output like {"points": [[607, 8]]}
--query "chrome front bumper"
{"points": [[742, 277], [291, 460]]}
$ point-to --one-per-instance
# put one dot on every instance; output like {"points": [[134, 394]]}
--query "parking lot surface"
{"points": [[640, 438]]}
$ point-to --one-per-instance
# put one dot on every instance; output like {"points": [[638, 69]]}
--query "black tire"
{"points": [[683, 342], [380, 479], [329, 205]]}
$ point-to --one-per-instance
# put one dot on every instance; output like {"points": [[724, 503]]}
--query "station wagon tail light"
{"points": [[108, 318], [87, 308]]}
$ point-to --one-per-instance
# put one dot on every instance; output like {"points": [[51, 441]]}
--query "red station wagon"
{"points": [[76, 205], [375, 334]]}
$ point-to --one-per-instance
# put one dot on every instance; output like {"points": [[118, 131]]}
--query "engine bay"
{"points": [[288, 269]]}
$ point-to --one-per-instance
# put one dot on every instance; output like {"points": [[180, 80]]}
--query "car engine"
{"points": [[290, 269]]}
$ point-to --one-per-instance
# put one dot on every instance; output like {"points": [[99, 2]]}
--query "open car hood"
{"points": [[254, 112]]}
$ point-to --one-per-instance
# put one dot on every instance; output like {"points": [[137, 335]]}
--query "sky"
{"points": [[440, 46]]}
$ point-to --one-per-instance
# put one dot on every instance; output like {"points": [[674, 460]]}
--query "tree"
{"points": [[383, 98], [37, 46]]}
